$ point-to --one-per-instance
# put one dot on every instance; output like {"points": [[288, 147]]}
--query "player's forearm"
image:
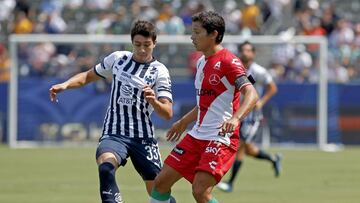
{"points": [[190, 117], [270, 92], [249, 102], [80, 79], [164, 110]]}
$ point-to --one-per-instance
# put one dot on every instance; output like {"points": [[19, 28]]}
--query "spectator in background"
{"points": [[54, 23], [329, 18], [23, 24], [313, 28], [168, 22], [6, 7], [343, 34], [122, 23], [98, 4], [4, 64], [232, 16], [251, 16], [39, 56], [302, 63], [147, 11], [99, 24]]}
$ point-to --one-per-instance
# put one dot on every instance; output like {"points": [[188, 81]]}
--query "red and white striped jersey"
{"points": [[218, 95]]}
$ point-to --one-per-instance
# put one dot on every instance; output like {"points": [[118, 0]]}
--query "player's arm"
{"points": [[180, 126], [162, 106], [76, 81], [249, 102], [271, 90]]}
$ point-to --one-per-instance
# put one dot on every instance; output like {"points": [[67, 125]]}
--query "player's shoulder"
{"points": [[228, 57], [230, 60], [157, 65], [258, 68], [118, 54]]}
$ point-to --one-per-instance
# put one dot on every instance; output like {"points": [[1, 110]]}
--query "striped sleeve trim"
{"points": [[165, 97], [97, 73]]}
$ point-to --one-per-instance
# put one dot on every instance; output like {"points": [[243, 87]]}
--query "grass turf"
{"points": [[70, 175]]}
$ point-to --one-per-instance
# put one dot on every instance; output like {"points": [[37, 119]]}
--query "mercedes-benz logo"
{"points": [[214, 79]]}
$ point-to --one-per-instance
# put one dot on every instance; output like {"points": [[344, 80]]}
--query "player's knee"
{"points": [[160, 186], [199, 192], [106, 169]]}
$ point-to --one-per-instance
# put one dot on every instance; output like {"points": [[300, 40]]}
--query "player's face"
{"points": [[246, 53], [143, 48], [200, 38]]}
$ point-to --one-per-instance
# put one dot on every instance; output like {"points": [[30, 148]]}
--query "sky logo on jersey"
{"points": [[213, 150], [214, 79]]}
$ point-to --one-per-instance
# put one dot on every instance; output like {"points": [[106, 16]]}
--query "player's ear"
{"points": [[155, 42], [214, 35]]}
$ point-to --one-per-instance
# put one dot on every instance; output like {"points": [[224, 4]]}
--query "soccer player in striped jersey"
{"points": [[140, 85], [207, 152], [250, 125]]}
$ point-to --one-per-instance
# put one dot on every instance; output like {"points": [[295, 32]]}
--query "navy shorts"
{"points": [[248, 130], [144, 153]]}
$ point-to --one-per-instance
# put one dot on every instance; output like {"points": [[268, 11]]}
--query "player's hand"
{"points": [[229, 126], [149, 94], [176, 130], [56, 89]]}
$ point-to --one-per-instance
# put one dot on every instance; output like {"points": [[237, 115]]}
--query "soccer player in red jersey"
{"points": [[207, 152]]}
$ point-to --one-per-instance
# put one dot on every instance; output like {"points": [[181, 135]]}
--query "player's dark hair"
{"points": [[144, 28], [246, 43], [211, 21]]}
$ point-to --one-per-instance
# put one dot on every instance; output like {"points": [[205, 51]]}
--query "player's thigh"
{"points": [[216, 159], [251, 149], [185, 156], [248, 131], [241, 150], [166, 179], [203, 183], [146, 158], [111, 149]]}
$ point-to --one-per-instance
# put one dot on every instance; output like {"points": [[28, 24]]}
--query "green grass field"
{"points": [[69, 175]]}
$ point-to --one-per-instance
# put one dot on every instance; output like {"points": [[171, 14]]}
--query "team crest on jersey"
{"points": [[149, 79], [214, 79], [217, 65]]}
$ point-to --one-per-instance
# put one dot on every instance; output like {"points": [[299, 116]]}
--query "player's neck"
{"points": [[147, 60], [248, 64], [212, 50]]}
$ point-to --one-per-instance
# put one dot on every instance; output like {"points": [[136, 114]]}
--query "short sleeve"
{"points": [[234, 70], [163, 84], [104, 68], [267, 77], [262, 75]]}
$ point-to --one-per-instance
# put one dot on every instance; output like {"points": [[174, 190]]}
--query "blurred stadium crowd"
{"points": [[337, 20]]}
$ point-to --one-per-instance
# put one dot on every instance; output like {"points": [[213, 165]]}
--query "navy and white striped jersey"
{"points": [[262, 78], [129, 113]]}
